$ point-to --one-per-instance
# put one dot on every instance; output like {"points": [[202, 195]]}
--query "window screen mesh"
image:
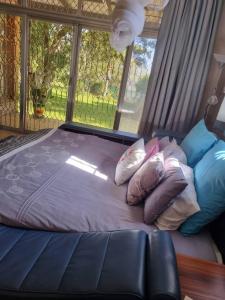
{"points": [[94, 9]]}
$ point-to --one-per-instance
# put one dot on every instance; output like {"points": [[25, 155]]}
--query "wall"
{"points": [[221, 114], [215, 71]]}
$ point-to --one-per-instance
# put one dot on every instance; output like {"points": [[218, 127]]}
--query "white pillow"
{"points": [[184, 205], [130, 161]]}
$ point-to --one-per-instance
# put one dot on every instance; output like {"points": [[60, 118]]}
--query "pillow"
{"points": [[174, 151], [164, 142], [145, 179], [161, 198], [151, 148], [210, 188], [184, 205], [198, 141], [130, 161]]}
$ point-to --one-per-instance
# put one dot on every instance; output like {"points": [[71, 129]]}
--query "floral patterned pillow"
{"points": [[130, 161], [145, 179]]}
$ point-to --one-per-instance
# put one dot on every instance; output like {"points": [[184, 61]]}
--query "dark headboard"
{"points": [[217, 230], [108, 134]]}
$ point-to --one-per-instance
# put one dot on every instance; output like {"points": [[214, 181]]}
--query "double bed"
{"points": [[63, 180]]}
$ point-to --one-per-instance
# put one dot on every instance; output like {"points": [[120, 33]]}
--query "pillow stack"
{"points": [[208, 161], [175, 195], [158, 177], [184, 205]]}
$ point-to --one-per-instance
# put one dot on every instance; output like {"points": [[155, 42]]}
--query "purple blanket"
{"points": [[65, 182]]}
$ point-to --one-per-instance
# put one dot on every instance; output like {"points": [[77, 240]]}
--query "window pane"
{"points": [[10, 35], [49, 68], [132, 107], [99, 76]]}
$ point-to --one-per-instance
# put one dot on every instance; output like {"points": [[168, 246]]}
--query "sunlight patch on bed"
{"points": [[86, 167]]}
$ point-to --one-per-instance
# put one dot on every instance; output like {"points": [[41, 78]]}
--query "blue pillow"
{"points": [[197, 142], [210, 188]]}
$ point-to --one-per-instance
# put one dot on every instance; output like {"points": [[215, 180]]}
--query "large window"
{"points": [[67, 70]]}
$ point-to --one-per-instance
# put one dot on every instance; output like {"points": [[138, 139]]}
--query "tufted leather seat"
{"points": [[101, 265]]}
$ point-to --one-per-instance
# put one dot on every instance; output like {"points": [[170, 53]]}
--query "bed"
{"points": [[63, 180]]}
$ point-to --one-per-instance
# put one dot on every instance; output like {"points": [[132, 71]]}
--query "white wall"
{"points": [[221, 114]]}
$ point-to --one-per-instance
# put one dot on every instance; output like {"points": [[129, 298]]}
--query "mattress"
{"points": [[62, 181]]}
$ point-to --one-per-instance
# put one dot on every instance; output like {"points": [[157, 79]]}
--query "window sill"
{"points": [[112, 135]]}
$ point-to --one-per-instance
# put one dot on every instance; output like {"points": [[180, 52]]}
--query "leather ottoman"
{"points": [[96, 265]]}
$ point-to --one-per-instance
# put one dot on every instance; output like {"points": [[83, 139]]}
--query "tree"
{"points": [[144, 50], [100, 66], [98, 61], [50, 48]]}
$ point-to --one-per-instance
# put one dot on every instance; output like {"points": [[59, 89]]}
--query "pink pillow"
{"points": [[145, 179], [151, 148], [164, 142]]}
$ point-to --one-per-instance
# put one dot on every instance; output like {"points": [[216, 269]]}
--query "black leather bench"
{"points": [[96, 265]]}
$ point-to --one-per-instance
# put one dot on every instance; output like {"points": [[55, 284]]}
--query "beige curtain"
{"points": [[181, 64]]}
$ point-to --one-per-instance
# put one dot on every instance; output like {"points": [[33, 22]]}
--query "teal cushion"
{"points": [[197, 142], [210, 188]]}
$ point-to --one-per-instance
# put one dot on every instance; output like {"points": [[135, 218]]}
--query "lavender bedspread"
{"points": [[64, 181]]}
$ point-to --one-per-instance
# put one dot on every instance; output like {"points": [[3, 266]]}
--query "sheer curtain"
{"points": [[181, 64]]}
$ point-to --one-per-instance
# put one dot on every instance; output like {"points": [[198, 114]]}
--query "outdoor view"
{"points": [[99, 76], [100, 70], [141, 63], [50, 48]]}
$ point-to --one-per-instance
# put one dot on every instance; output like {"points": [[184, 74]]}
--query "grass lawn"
{"points": [[88, 109]]}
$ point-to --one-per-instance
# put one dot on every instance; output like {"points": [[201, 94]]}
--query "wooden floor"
{"points": [[12, 120], [6, 133], [201, 279]]}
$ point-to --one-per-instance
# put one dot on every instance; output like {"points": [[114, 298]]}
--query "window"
{"points": [[72, 72], [132, 105], [99, 75]]}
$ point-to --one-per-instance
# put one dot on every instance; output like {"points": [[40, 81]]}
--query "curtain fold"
{"points": [[180, 66]]}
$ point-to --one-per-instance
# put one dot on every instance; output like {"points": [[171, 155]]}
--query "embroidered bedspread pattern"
{"points": [[25, 170]]}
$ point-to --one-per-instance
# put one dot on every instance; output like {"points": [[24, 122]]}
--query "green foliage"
{"points": [[100, 66], [94, 110], [99, 71], [97, 88], [98, 63], [50, 50], [143, 50]]}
